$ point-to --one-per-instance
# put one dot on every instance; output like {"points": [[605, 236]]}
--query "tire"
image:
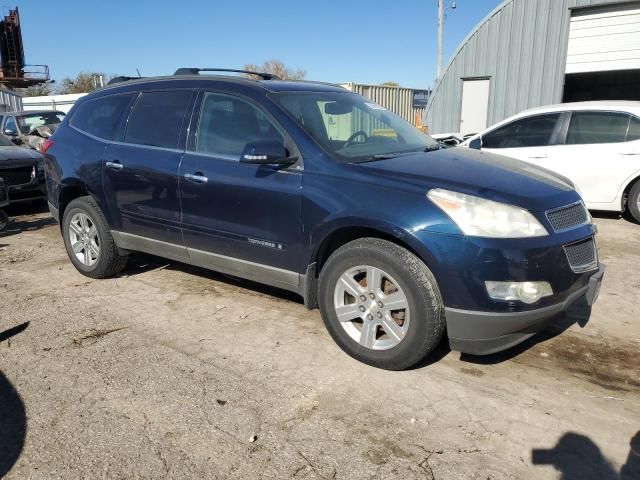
{"points": [[106, 260], [4, 220], [633, 201], [417, 329]]}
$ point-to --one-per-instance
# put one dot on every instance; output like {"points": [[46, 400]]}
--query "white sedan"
{"points": [[594, 144]]}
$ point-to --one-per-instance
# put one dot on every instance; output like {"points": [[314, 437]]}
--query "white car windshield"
{"points": [[352, 128]]}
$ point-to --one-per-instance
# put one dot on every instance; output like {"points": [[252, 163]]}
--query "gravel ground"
{"points": [[169, 371]]}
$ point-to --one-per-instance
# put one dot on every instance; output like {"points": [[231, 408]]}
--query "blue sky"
{"points": [[364, 41]]}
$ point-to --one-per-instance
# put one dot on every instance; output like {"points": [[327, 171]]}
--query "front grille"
{"points": [[17, 176], [568, 217], [582, 256]]}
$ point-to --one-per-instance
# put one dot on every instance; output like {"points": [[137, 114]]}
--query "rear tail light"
{"points": [[46, 145]]}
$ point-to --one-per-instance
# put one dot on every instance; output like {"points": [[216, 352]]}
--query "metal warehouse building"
{"points": [[529, 53]]}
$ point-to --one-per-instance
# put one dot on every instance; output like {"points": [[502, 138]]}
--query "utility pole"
{"points": [[440, 29], [440, 25]]}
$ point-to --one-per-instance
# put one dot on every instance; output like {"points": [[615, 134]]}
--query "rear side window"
{"points": [[597, 127], [533, 131], [104, 116], [157, 118], [228, 123], [634, 130]]}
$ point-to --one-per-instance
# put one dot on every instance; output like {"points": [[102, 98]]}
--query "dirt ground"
{"points": [[169, 371]]}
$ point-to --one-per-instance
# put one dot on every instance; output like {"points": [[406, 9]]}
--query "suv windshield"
{"points": [[352, 128], [28, 122]]}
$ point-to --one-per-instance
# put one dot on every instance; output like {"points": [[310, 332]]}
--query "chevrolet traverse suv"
{"points": [[316, 190]]}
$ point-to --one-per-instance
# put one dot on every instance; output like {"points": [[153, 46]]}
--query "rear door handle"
{"points": [[628, 154], [535, 157], [196, 177], [115, 165]]}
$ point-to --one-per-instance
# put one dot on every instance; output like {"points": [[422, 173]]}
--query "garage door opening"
{"points": [[613, 85]]}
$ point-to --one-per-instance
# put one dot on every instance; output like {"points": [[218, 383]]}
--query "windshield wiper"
{"points": [[388, 156]]}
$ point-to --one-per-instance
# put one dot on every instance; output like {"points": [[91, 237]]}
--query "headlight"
{"points": [[478, 217], [526, 292]]}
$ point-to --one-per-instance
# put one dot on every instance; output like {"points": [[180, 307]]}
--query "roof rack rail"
{"points": [[196, 71], [122, 79]]}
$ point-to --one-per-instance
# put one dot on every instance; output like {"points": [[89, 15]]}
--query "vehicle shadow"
{"points": [[577, 457], [140, 263], [13, 418], [579, 312], [614, 216], [24, 221]]}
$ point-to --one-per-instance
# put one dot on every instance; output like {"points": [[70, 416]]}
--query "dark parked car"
{"points": [[317, 190], [4, 201], [23, 172]]}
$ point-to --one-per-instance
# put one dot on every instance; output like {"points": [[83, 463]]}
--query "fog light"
{"points": [[526, 292]]}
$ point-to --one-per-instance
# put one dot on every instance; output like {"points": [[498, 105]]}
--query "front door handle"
{"points": [[537, 157], [115, 165], [196, 177], [628, 154]]}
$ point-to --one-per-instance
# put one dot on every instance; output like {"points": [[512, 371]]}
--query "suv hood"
{"points": [[485, 175]]}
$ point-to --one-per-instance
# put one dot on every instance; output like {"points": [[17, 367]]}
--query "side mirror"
{"points": [[266, 152], [476, 143], [10, 132]]}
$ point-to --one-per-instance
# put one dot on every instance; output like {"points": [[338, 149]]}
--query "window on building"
{"points": [[533, 131], [104, 116], [156, 119], [228, 123], [597, 127]]}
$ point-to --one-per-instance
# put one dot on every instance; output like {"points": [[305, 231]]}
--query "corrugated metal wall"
{"points": [[10, 101], [522, 47], [399, 100]]}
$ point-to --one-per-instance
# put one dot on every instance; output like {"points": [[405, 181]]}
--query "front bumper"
{"points": [[483, 333], [36, 190]]}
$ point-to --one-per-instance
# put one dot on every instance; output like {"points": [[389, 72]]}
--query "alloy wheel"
{"points": [[371, 307], [83, 238]]}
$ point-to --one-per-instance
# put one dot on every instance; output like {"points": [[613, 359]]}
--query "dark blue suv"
{"points": [[314, 189]]}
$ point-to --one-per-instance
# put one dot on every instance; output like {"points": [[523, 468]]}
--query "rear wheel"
{"points": [[381, 304], [633, 201], [88, 240]]}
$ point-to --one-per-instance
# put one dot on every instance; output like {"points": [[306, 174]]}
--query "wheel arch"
{"points": [[69, 192], [337, 235], [625, 193]]}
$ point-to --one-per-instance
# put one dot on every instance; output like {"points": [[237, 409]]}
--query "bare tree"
{"points": [[277, 67], [36, 90], [84, 82]]}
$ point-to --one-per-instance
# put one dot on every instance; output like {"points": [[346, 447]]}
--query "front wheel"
{"points": [[88, 240], [381, 304]]}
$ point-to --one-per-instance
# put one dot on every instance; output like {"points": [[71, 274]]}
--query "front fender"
{"points": [[402, 236]]}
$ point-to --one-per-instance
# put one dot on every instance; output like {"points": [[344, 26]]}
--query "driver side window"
{"points": [[228, 123], [533, 131]]}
